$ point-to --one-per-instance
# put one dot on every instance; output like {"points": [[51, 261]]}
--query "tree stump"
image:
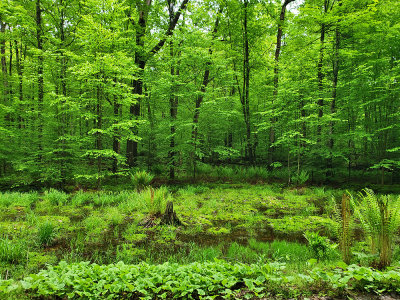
{"points": [[169, 217]]}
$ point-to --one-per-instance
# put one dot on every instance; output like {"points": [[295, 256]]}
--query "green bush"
{"points": [[320, 246]]}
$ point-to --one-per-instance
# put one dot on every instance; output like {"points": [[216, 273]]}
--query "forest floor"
{"points": [[235, 223]]}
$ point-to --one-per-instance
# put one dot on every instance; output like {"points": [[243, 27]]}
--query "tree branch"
{"points": [[170, 29]]}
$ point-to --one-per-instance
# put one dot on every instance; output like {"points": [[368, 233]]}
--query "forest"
{"points": [[92, 89], [200, 149]]}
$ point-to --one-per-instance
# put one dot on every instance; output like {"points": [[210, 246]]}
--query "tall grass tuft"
{"points": [[141, 180], [56, 197], [12, 251], [46, 234], [18, 199]]}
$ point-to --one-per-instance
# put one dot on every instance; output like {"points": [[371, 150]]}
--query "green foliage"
{"points": [[95, 227], [207, 279], [299, 224], [380, 218], [320, 246], [114, 216], [56, 197], [47, 233], [82, 198], [154, 199], [18, 199], [12, 251], [141, 179], [300, 178], [344, 229]]}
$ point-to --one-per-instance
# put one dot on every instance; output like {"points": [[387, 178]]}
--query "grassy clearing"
{"points": [[234, 224]]}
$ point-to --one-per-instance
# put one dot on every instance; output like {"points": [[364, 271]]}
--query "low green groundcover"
{"points": [[196, 280]]}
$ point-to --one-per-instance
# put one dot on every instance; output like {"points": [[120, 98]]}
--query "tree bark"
{"points": [[273, 120], [3, 60], [203, 88], [40, 81], [246, 85], [320, 73], [141, 58], [334, 95]]}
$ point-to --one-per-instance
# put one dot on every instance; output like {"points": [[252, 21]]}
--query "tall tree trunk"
{"points": [[200, 96], [152, 149], [334, 95], [3, 60], [18, 62], [320, 72], [173, 100], [141, 58], [63, 84], [40, 82], [116, 136], [140, 61], [246, 85], [99, 140], [273, 120], [173, 109]]}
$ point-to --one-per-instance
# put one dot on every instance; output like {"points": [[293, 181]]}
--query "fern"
{"points": [[344, 231], [380, 218]]}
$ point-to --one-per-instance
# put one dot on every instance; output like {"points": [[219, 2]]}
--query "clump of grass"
{"points": [[47, 233], [55, 197], [155, 199], [18, 199], [12, 251], [95, 227], [204, 254], [141, 179], [242, 254], [129, 254], [114, 216], [82, 198], [108, 198]]}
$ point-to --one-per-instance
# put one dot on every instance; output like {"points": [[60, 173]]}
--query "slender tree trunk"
{"points": [[99, 140], [40, 82], [246, 85], [20, 84], [116, 136], [152, 149], [200, 96], [334, 95], [273, 120], [140, 61], [141, 58], [3, 60], [173, 104], [320, 73], [63, 83]]}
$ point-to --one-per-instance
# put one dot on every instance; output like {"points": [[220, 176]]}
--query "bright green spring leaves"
{"points": [[196, 280]]}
